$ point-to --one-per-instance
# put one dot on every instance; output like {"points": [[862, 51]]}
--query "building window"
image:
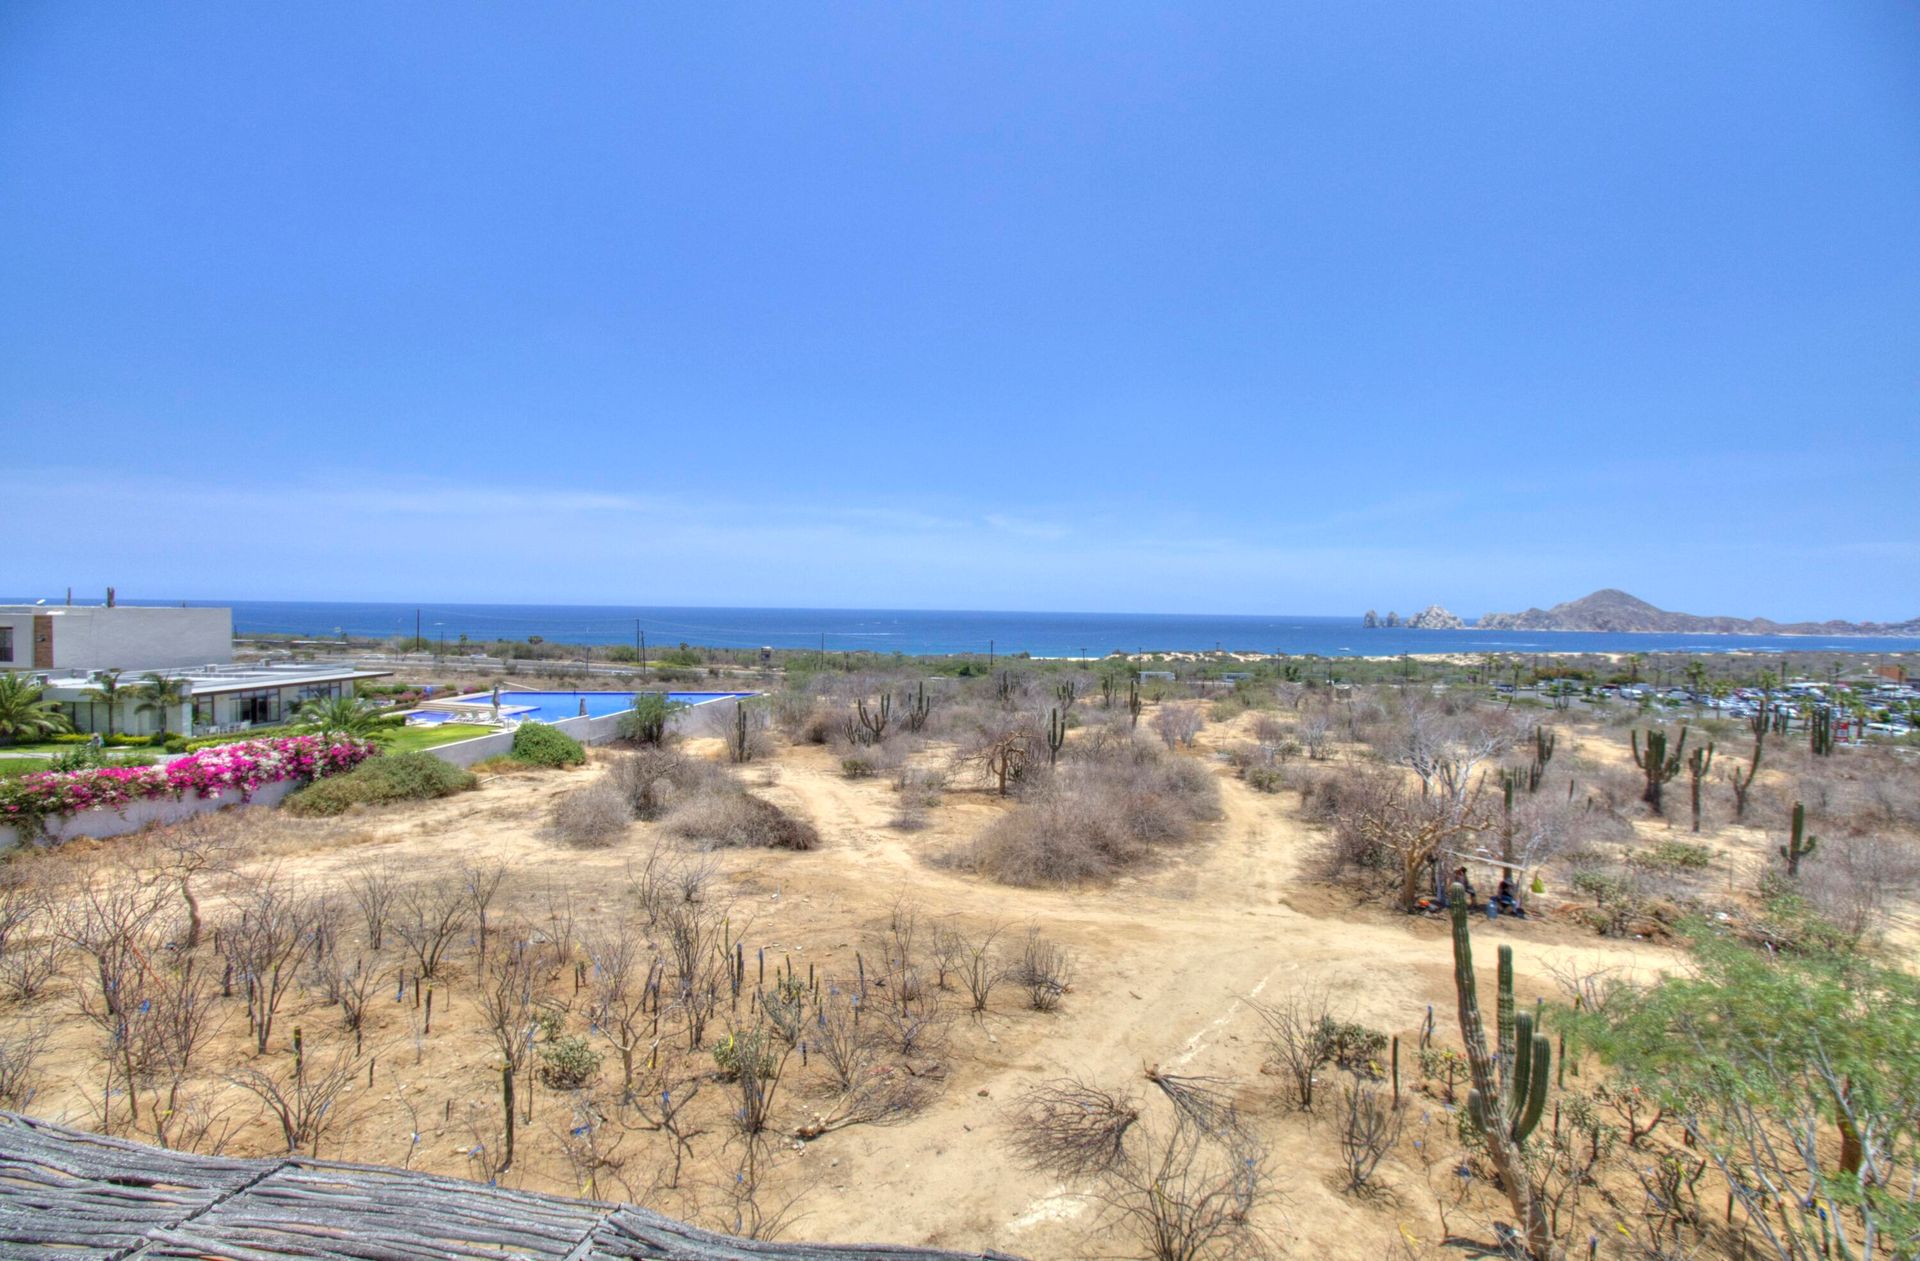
{"points": [[202, 711], [257, 707], [6, 643]]}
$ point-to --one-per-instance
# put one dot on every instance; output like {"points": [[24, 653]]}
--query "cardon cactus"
{"points": [[1799, 845], [1657, 763], [1519, 1071]]}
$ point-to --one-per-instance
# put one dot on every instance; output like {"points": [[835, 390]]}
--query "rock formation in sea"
{"points": [[1433, 617]]}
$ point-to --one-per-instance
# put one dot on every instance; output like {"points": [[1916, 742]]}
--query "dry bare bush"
{"points": [[720, 814], [29, 945], [20, 1049], [1370, 1125], [647, 778], [1101, 811], [1857, 881], [1178, 723], [626, 981], [428, 916], [589, 817], [1071, 1128], [370, 888], [509, 983], [980, 966], [1184, 1188], [304, 1102], [1045, 971], [267, 936], [480, 882], [1300, 1042]]}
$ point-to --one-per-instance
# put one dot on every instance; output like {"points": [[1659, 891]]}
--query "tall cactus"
{"points": [[1509, 1091], [1134, 703], [1543, 742], [1820, 731], [1799, 845], [1056, 734], [1067, 693], [1699, 762], [1657, 763], [919, 707], [874, 721]]}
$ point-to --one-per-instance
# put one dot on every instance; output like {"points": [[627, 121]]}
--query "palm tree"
{"points": [[162, 693], [23, 715], [342, 716], [106, 692]]}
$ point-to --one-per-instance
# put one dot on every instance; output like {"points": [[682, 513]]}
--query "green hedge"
{"points": [[379, 781], [541, 745]]}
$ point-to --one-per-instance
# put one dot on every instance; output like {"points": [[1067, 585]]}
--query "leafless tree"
{"points": [[508, 988], [481, 881], [1001, 750], [427, 916], [267, 936], [1316, 732], [303, 1102], [351, 988], [198, 844], [1447, 752], [371, 887], [626, 981]]}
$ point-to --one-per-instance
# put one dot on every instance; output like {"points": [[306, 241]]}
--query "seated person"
{"points": [[1504, 899]]}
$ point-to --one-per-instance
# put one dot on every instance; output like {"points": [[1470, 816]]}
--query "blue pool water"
{"points": [[552, 706]]}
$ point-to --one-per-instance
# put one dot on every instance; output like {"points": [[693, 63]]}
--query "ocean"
{"points": [[916, 632]]}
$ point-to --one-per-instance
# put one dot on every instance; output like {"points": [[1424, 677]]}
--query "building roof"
{"points": [[215, 679], [66, 1195]]}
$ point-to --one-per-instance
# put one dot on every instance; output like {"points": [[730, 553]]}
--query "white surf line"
{"points": [[1197, 1041]]}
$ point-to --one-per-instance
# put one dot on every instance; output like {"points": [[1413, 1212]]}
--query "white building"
{"points": [[216, 698], [75, 638]]}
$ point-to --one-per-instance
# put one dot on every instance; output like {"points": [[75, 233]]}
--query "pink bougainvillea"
{"points": [[236, 769]]}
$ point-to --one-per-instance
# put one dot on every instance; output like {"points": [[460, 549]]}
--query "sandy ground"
{"points": [[1166, 965]]}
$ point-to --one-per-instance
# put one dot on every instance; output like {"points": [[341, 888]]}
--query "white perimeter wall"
{"points": [[462, 753]]}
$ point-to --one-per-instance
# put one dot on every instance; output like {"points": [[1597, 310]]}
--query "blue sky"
{"points": [[1264, 308]]}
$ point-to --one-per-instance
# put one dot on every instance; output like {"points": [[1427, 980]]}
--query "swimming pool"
{"points": [[553, 706]]}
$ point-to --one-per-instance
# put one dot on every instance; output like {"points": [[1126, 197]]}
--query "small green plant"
{"points": [[646, 722], [1799, 845], [739, 1053], [568, 1063], [1679, 855], [540, 745], [1266, 779]]}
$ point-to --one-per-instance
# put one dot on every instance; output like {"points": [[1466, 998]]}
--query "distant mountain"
{"points": [[1616, 611]]}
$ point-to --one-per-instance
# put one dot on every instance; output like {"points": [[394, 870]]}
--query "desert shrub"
{"points": [[380, 781], [568, 1063], [1266, 779], [919, 791], [1857, 881], [648, 779], [1103, 810], [748, 1052], [717, 813], [867, 761], [1678, 855], [541, 745], [590, 817]]}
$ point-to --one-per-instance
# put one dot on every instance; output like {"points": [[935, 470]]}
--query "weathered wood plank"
{"points": [[66, 1195]]}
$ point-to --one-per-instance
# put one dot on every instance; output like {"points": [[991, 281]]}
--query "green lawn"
{"points": [[413, 739], [10, 766]]}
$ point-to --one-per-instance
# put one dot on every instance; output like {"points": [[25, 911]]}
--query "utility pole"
{"points": [[989, 656], [416, 630]]}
